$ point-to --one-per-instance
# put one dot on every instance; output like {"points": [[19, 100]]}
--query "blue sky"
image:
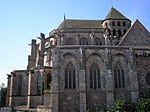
{"points": [[23, 20]]}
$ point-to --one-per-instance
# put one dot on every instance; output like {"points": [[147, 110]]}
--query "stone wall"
{"points": [[69, 101], [143, 70], [96, 100]]}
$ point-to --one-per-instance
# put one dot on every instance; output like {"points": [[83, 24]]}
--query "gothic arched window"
{"points": [[49, 80], [124, 24], [39, 81], [147, 78], [124, 32], [19, 84], [113, 23], [83, 41], [70, 77], [119, 23], [114, 32], [95, 80], [119, 76], [119, 33], [98, 41]]}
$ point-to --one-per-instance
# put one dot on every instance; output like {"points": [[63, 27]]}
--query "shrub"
{"points": [[122, 106], [143, 105]]}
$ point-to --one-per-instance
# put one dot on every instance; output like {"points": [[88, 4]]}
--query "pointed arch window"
{"points": [[39, 82], [70, 77], [95, 80], [19, 84], [113, 23], [119, 76], [114, 32], [83, 41], [124, 32], [98, 41], [119, 33], [124, 24], [119, 23], [49, 80]]}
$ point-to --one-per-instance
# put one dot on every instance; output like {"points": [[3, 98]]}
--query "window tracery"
{"points": [[70, 77], [119, 76], [83, 41], [95, 80], [19, 84], [39, 81], [98, 41]]}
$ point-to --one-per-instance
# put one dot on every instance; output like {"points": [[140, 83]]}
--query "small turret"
{"points": [[117, 24]]}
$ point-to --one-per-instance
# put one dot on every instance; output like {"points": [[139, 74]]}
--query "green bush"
{"points": [[122, 106], [143, 105]]}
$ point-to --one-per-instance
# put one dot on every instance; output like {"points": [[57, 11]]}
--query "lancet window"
{"points": [[39, 81], [70, 77], [119, 76], [95, 80], [19, 84]]}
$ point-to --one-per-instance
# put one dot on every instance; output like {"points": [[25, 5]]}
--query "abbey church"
{"points": [[84, 65]]}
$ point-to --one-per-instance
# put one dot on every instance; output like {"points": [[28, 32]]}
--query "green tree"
{"points": [[3, 92]]}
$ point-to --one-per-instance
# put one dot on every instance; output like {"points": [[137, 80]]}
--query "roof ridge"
{"points": [[74, 23], [84, 19], [115, 14]]}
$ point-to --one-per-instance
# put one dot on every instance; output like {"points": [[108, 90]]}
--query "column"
{"points": [[109, 89], [109, 79], [134, 88], [41, 50], [8, 89], [55, 74], [55, 100], [82, 90], [11, 90], [29, 90], [58, 39], [92, 38], [82, 83]]}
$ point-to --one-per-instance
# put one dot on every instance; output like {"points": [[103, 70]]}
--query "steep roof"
{"points": [[115, 14], [72, 23], [137, 35]]}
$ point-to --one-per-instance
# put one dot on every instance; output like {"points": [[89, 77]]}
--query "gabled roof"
{"points": [[71, 23], [115, 14], [137, 35]]}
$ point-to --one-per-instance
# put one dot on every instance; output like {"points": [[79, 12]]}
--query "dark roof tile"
{"points": [[71, 23]]}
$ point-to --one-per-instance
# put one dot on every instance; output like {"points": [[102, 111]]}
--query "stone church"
{"points": [[84, 65]]}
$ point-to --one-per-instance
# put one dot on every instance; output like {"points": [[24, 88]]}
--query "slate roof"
{"points": [[115, 14], [72, 23]]}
